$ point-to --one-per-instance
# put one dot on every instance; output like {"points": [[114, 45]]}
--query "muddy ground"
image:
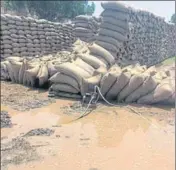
{"points": [[40, 133]]}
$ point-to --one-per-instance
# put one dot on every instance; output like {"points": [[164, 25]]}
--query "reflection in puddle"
{"points": [[107, 139]]}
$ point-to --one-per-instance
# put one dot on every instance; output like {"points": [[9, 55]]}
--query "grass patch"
{"points": [[169, 61]]}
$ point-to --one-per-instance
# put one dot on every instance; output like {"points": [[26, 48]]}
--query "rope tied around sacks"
{"points": [[94, 97]]}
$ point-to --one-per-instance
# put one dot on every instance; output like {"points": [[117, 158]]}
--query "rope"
{"points": [[85, 113], [98, 89]]}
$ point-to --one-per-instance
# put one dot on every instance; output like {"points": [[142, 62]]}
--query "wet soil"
{"points": [[48, 136], [23, 98]]}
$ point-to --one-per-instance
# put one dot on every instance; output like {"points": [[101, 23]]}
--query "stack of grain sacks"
{"points": [[86, 27], [114, 30], [136, 83], [25, 36], [171, 40], [148, 37]]}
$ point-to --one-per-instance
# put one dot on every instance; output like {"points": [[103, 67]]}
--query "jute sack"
{"points": [[64, 79], [10, 71], [85, 35], [16, 68], [14, 58], [4, 71], [147, 87], [103, 60], [109, 79], [119, 84], [72, 70], [109, 40], [68, 95], [32, 74], [115, 14], [28, 65], [171, 100], [82, 24], [83, 30], [88, 84], [101, 70], [25, 80], [137, 69], [91, 60], [64, 88], [21, 71], [151, 69], [135, 81], [100, 51], [43, 74], [113, 34], [122, 24], [80, 63], [107, 46], [162, 92], [51, 69], [115, 6]]}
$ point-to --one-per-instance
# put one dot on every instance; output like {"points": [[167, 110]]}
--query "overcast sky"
{"points": [[161, 8]]}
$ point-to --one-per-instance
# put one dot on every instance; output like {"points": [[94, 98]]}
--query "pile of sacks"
{"points": [[140, 84], [133, 83], [78, 73], [86, 27], [171, 40], [37, 71], [33, 72], [24, 36], [114, 30], [87, 65]]}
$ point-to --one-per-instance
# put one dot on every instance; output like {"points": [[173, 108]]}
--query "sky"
{"points": [[163, 9]]}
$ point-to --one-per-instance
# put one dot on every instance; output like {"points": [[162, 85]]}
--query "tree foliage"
{"points": [[52, 10], [173, 18]]}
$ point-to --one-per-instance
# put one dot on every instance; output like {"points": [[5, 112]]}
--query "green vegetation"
{"points": [[51, 10], [169, 61], [173, 18]]}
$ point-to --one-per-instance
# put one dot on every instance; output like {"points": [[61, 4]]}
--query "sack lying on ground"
{"points": [[15, 65], [63, 88], [32, 74], [43, 75], [147, 87], [64, 79], [162, 92], [65, 94], [109, 79], [72, 70], [51, 69], [88, 84], [135, 81]]}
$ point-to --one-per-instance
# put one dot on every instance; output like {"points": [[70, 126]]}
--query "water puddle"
{"points": [[109, 138]]}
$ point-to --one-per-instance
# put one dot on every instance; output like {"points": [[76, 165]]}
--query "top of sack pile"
{"points": [[116, 5], [5, 17]]}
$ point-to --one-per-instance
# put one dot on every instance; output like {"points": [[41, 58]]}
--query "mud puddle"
{"points": [[109, 138]]}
